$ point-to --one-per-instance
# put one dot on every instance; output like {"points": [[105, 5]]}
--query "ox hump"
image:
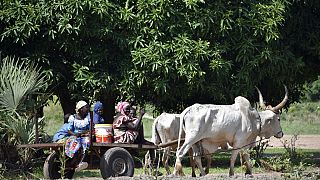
{"points": [[245, 109], [242, 101]]}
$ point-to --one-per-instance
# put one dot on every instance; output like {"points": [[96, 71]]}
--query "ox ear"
{"points": [[269, 107]]}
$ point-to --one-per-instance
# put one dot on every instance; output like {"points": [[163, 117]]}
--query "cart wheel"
{"points": [[52, 165], [116, 162]]}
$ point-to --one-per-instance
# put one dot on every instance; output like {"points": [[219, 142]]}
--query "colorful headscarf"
{"points": [[121, 106]]}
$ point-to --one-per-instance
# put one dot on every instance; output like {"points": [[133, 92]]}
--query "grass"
{"points": [[87, 173], [301, 118], [300, 127], [53, 117], [220, 164]]}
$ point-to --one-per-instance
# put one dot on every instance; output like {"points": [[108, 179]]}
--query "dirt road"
{"points": [[303, 141]]}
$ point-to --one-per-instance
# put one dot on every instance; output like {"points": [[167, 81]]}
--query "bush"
{"points": [[312, 91], [20, 97], [290, 162]]}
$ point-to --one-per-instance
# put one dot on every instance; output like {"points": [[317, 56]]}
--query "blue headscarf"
{"points": [[97, 118]]}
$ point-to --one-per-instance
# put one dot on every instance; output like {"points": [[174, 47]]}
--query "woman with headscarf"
{"points": [[128, 129], [79, 129], [79, 123], [97, 113]]}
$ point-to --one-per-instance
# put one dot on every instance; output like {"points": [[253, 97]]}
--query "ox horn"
{"points": [[280, 105], [261, 103]]}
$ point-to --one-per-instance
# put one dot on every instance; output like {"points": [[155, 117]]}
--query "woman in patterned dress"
{"points": [[79, 130], [128, 129]]}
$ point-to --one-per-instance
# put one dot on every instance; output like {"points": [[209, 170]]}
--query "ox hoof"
{"points": [[248, 175], [193, 174], [172, 176], [176, 174], [206, 170]]}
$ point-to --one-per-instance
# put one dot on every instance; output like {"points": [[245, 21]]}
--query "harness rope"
{"points": [[219, 150]]}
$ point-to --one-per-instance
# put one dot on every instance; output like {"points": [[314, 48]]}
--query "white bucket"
{"points": [[103, 133]]}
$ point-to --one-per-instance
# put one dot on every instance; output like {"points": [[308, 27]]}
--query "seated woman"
{"points": [[79, 129], [127, 128], [97, 113]]}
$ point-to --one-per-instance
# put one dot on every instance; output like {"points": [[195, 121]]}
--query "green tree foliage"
{"points": [[168, 53], [301, 32], [312, 91]]}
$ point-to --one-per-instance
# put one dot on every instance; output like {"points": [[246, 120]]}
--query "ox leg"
{"points": [[180, 153], [147, 163], [178, 168], [197, 152], [247, 162], [209, 160], [208, 157], [197, 160], [192, 163], [232, 161], [188, 143], [208, 148], [165, 159]]}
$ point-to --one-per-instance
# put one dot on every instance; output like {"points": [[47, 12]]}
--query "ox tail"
{"points": [[181, 126], [155, 138]]}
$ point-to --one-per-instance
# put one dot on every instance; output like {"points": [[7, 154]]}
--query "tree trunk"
{"points": [[108, 100], [68, 106]]}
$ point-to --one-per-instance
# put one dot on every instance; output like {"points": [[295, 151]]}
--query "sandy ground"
{"points": [[303, 141]]}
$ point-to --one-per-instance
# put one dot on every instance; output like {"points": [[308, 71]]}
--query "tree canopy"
{"points": [[167, 53]]}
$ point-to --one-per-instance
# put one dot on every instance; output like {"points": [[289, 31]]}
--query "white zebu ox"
{"points": [[165, 129], [237, 124]]}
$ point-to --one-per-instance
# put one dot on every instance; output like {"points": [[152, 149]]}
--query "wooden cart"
{"points": [[115, 159]]}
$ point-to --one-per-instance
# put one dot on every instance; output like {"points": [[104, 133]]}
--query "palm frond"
{"points": [[17, 82], [19, 129]]}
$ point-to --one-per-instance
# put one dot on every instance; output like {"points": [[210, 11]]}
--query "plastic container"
{"points": [[104, 133]]}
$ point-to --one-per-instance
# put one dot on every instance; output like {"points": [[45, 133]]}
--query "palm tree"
{"points": [[18, 82], [20, 87]]}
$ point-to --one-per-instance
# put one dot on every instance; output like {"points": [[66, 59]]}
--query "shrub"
{"points": [[312, 91], [291, 162], [20, 86]]}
